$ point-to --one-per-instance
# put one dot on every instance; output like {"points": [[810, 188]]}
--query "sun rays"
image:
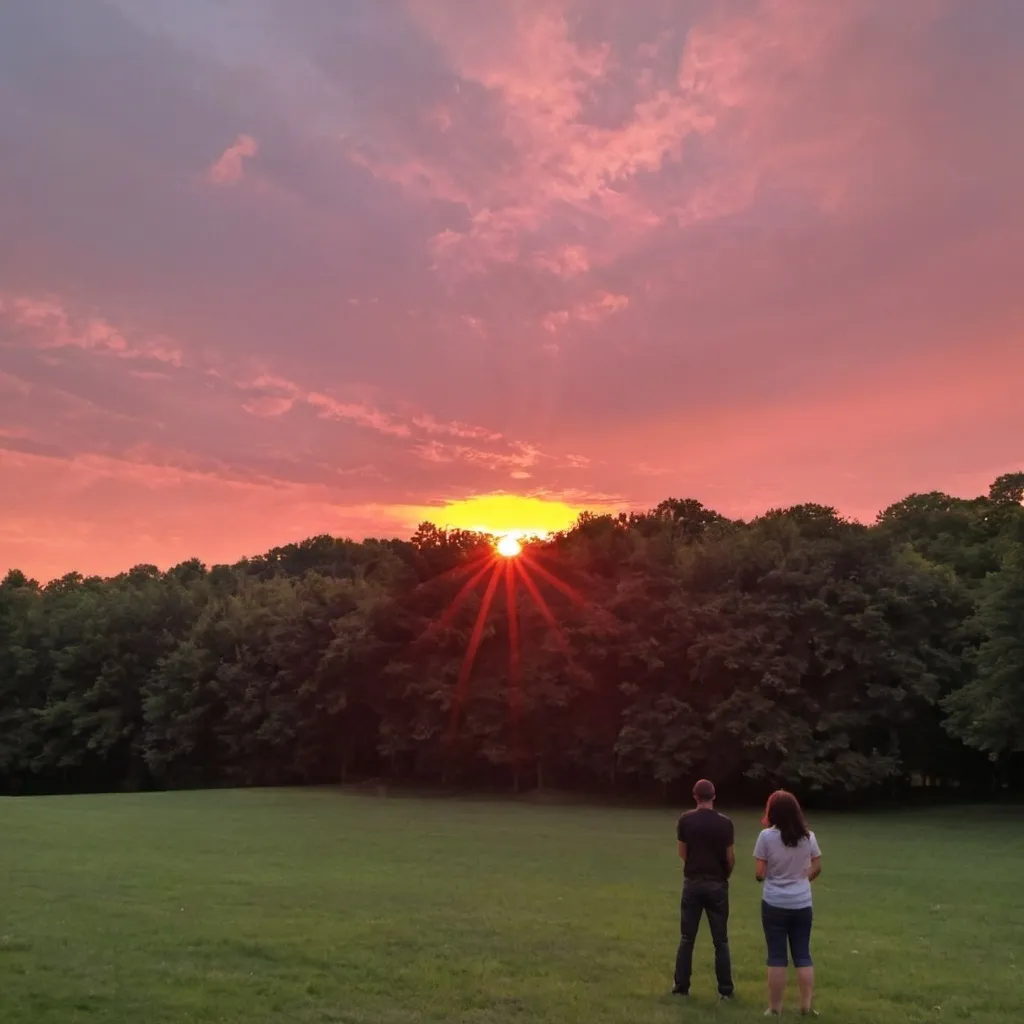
{"points": [[508, 561]]}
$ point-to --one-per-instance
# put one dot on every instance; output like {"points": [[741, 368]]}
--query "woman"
{"points": [[787, 860]]}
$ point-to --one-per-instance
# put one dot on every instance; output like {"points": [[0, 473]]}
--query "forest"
{"points": [[798, 648]]}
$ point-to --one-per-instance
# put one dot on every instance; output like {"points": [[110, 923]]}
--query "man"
{"points": [[706, 841]]}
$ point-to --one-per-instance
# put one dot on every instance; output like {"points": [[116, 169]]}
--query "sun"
{"points": [[515, 558], [509, 547]]}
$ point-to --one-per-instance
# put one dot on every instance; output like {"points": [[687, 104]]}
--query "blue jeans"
{"points": [[784, 928], [711, 897]]}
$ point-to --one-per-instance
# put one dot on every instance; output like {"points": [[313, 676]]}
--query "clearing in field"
{"points": [[314, 906]]}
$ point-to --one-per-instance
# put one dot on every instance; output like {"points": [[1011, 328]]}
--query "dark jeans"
{"points": [[787, 928], [704, 896]]}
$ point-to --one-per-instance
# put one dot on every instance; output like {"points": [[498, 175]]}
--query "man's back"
{"points": [[708, 836], [706, 845]]}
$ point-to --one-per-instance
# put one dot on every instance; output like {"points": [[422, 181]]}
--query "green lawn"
{"points": [[312, 906]]}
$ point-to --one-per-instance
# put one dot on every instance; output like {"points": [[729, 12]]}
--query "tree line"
{"points": [[798, 648]]}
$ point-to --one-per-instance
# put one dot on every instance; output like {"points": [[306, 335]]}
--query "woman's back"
{"points": [[786, 883], [787, 861]]}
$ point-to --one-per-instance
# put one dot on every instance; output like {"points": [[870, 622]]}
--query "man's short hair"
{"points": [[704, 791]]}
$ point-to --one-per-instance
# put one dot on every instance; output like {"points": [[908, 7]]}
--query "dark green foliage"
{"points": [[798, 649], [988, 712]]}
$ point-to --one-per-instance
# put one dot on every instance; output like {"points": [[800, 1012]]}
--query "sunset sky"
{"points": [[272, 268]]}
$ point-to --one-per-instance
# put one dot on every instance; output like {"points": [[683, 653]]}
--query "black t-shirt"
{"points": [[707, 835]]}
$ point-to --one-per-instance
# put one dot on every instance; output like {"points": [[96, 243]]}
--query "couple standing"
{"points": [[786, 860]]}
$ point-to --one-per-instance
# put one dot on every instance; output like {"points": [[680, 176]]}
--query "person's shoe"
{"points": [[773, 1013], [809, 1013], [723, 998], [677, 991]]}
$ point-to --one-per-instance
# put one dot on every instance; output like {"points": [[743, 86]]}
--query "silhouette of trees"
{"points": [[798, 648]]}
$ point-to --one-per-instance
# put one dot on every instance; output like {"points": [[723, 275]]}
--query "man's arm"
{"points": [[681, 836], [730, 847]]}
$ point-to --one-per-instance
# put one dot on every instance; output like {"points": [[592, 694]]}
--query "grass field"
{"points": [[313, 906]]}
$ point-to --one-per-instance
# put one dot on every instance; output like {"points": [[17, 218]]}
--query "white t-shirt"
{"points": [[785, 882]]}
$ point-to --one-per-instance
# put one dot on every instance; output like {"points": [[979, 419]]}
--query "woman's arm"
{"points": [[761, 858], [815, 869]]}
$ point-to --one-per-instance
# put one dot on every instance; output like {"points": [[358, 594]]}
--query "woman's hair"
{"points": [[783, 812]]}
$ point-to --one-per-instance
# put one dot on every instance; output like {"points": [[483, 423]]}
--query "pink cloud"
{"points": [[277, 393], [13, 384], [468, 431], [229, 167], [543, 80], [517, 459], [268, 405], [555, 320], [50, 325], [791, 107], [272, 396], [591, 311], [745, 90], [564, 260], [604, 305]]}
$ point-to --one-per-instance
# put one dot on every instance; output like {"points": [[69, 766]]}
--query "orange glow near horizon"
{"points": [[508, 515]]}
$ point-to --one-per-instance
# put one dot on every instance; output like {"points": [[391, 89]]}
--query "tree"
{"points": [[988, 712], [1007, 489], [817, 651], [799, 648]]}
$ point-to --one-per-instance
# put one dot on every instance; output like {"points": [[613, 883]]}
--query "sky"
{"points": [[275, 268]]}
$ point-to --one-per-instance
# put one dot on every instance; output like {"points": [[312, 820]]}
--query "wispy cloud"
{"points": [[229, 167], [45, 323], [517, 458], [273, 396], [563, 260], [739, 96], [566, 167], [590, 311], [468, 431]]}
